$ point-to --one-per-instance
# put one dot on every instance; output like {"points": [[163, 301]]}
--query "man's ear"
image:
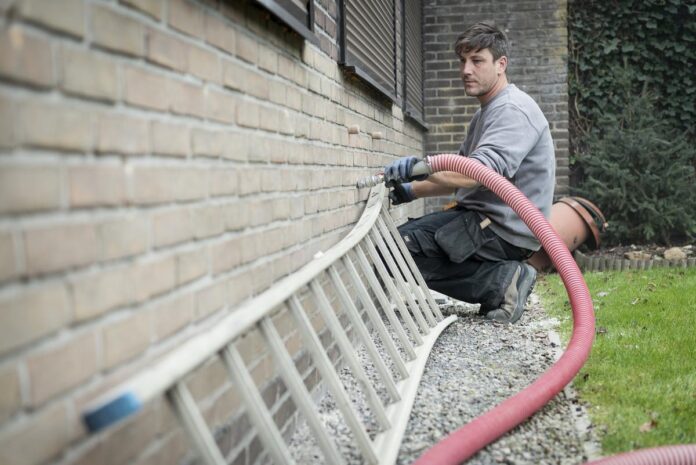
{"points": [[502, 64]]}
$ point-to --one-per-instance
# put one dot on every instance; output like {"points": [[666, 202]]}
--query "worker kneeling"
{"points": [[475, 252]]}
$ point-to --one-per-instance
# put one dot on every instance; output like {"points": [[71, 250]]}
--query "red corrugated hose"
{"points": [[463, 443]]}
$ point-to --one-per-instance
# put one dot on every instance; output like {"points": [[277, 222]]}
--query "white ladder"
{"points": [[373, 257]]}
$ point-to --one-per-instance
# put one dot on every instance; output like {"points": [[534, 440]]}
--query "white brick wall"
{"points": [[161, 161]]}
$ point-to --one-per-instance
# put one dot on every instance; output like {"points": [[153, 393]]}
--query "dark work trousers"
{"points": [[462, 258]]}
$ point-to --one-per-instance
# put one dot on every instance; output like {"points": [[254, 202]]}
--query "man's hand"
{"points": [[400, 171], [401, 193]]}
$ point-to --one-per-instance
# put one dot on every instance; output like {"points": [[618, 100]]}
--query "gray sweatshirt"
{"points": [[510, 135]]}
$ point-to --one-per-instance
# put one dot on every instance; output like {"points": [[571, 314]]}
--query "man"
{"points": [[476, 251]]}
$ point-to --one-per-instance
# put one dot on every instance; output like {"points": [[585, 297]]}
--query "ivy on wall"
{"points": [[629, 56]]}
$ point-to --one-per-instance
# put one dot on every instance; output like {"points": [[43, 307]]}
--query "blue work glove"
{"points": [[399, 171], [402, 193]]}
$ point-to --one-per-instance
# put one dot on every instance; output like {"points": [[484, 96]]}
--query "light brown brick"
{"points": [[167, 50], [172, 227], [268, 59], [8, 263], [99, 292], [150, 7], [191, 184], [206, 143], [224, 182], [247, 48], [10, 392], [248, 114], [256, 84], [186, 99], [220, 106], [56, 369], [26, 58], [38, 440], [237, 146], [208, 221], [236, 216], [240, 288], [122, 134], [226, 255], [172, 450], [172, 315], [145, 89], [55, 126], [210, 299], [116, 31], [204, 64], [93, 185], [170, 139], [191, 265], [277, 92], [126, 338], [31, 314], [88, 74], [60, 246], [234, 74], [65, 16], [15, 194], [220, 33], [154, 277], [152, 184], [123, 237], [187, 18]]}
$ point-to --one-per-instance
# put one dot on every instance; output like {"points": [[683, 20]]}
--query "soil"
{"points": [[653, 249]]}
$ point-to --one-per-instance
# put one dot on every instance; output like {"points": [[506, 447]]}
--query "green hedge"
{"points": [[633, 115]]}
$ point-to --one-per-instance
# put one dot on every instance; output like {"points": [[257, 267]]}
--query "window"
{"points": [[298, 15], [368, 44], [368, 49]]}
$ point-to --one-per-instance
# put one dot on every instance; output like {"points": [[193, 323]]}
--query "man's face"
{"points": [[480, 72]]}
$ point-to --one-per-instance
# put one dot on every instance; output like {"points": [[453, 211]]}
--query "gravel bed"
{"points": [[474, 365]]}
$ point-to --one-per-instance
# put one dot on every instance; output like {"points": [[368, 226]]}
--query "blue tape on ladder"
{"points": [[112, 412]]}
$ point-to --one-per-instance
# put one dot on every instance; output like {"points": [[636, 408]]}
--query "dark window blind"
{"points": [[413, 58], [369, 43]]}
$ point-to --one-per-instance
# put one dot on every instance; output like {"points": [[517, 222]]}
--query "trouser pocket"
{"points": [[461, 237]]}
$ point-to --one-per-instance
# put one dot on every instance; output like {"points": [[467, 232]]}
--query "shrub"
{"points": [[639, 169]]}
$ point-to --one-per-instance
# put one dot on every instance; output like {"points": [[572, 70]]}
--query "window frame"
{"points": [[289, 14]]}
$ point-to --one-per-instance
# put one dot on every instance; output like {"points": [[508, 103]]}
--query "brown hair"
{"points": [[481, 36]]}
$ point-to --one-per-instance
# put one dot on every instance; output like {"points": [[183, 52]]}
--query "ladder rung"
{"points": [[363, 333], [434, 307], [329, 375], [302, 398], [256, 408], [185, 408], [408, 286], [387, 280], [374, 317], [384, 302], [348, 353]]}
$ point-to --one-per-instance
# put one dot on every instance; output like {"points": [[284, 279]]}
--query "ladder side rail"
{"points": [[128, 398]]}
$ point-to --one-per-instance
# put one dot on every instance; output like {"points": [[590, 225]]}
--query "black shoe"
{"points": [[515, 295]]}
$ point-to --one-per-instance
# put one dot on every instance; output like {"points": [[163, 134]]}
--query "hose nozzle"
{"points": [[420, 168]]}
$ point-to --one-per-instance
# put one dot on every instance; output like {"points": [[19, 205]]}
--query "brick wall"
{"points": [[537, 65], [161, 162]]}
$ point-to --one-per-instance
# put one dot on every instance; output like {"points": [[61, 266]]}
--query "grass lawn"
{"points": [[640, 379]]}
